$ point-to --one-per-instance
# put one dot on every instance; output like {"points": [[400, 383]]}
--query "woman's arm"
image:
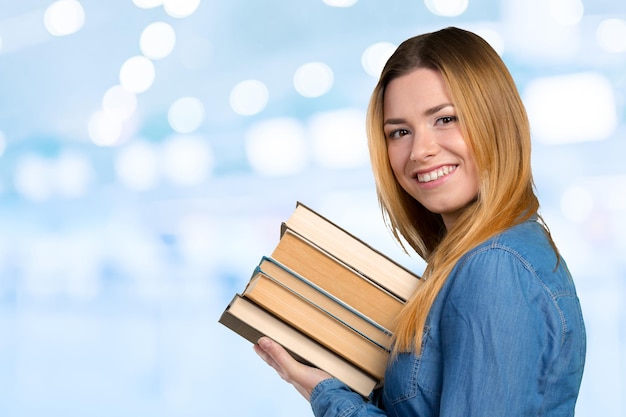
{"points": [[500, 335]]}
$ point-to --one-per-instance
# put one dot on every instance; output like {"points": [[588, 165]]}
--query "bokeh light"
{"points": [[74, 174], [249, 97], [119, 102], [566, 12], [277, 147], [157, 40], [611, 35], [38, 178], [340, 3], [180, 8], [137, 166], [64, 17], [313, 79], [33, 178], [105, 129], [339, 140], [3, 142], [187, 160], [147, 4], [375, 56], [447, 8], [186, 114], [137, 74], [571, 108]]}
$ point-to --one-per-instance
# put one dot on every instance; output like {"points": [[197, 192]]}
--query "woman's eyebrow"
{"points": [[436, 109], [393, 122], [428, 112]]}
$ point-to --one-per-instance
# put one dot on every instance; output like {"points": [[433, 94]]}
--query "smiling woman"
{"points": [[121, 237], [496, 327]]}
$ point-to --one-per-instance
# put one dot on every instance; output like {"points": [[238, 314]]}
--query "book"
{"points": [[337, 277], [315, 322], [251, 322], [352, 251], [327, 302], [327, 297]]}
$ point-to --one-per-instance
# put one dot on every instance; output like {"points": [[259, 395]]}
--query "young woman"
{"points": [[496, 328]]}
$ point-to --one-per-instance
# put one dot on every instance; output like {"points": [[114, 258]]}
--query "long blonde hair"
{"points": [[495, 126]]}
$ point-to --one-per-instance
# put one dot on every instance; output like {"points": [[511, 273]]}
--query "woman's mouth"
{"points": [[435, 174]]}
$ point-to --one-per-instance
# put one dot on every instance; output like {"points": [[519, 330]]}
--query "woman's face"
{"points": [[428, 155]]}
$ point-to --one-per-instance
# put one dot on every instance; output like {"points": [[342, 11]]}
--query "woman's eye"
{"points": [[445, 120], [398, 133]]}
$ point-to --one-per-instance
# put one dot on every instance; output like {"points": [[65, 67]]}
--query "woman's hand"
{"points": [[304, 378]]}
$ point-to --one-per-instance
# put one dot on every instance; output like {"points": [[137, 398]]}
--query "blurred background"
{"points": [[149, 150]]}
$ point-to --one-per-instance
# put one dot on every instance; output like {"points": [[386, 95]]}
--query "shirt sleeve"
{"points": [[332, 398], [499, 332]]}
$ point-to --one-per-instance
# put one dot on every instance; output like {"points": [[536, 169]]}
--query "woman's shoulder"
{"points": [[528, 242], [530, 231], [524, 251]]}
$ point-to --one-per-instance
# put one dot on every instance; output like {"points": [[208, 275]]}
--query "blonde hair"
{"points": [[494, 124]]}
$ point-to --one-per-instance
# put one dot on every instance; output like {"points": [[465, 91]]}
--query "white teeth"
{"points": [[435, 174]]}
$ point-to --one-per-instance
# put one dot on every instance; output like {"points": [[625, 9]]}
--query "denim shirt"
{"points": [[504, 337]]}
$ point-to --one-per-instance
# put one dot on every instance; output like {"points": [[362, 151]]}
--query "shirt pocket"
{"points": [[409, 376]]}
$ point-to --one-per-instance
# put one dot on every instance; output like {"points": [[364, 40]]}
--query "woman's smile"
{"points": [[435, 174]]}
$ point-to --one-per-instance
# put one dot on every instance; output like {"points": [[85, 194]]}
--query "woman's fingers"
{"points": [[277, 357], [268, 350], [304, 378]]}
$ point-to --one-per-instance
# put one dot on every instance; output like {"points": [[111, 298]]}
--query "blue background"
{"points": [[110, 291]]}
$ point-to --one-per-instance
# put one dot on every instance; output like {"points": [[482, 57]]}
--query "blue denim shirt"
{"points": [[504, 337]]}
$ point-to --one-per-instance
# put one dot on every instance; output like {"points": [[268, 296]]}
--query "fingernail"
{"points": [[264, 342]]}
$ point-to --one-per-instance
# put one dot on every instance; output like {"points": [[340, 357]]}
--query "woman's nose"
{"points": [[424, 146]]}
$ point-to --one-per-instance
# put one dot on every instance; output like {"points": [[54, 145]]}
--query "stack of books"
{"points": [[327, 297]]}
